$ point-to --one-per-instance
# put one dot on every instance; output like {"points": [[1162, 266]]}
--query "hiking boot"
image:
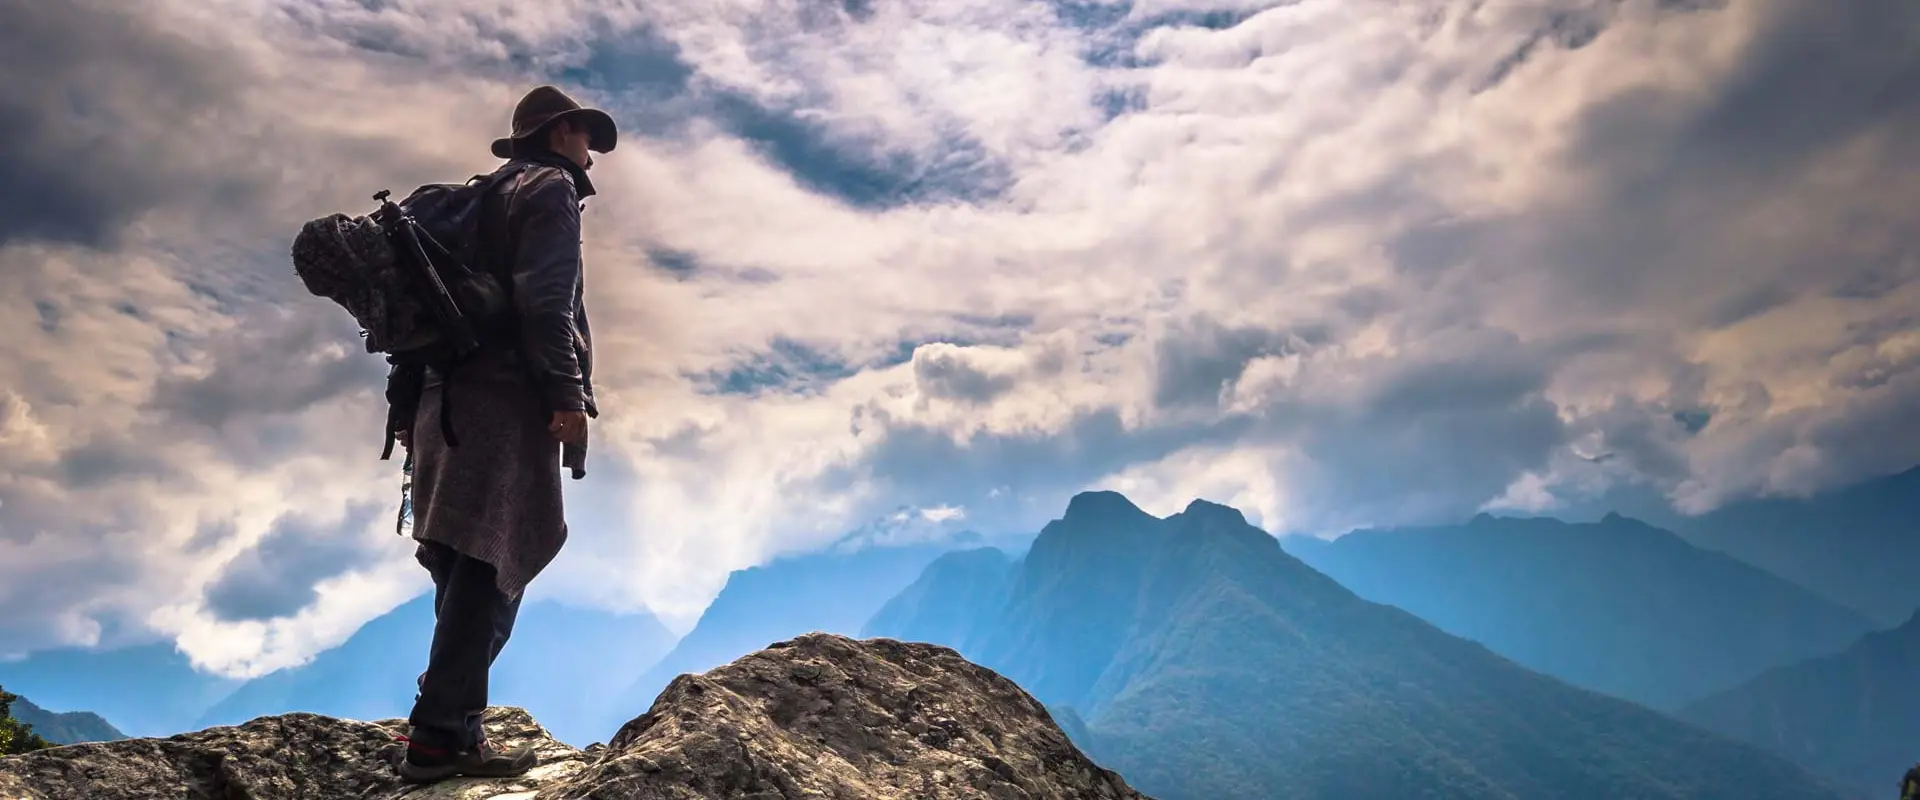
{"points": [[424, 764]]}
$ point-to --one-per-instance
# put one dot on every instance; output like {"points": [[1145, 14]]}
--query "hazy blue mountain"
{"points": [[1617, 606], [1853, 716], [1071, 724], [1859, 546], [147, 690], [835, 591], [1207, 664], [369, 676], [945, 602], [561, 665], [65, 727]]}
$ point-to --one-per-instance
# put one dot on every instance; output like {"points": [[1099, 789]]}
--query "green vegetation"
{"points": [[16, 737]]}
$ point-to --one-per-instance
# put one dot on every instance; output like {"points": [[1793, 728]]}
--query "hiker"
{"points": [[487, 506]]}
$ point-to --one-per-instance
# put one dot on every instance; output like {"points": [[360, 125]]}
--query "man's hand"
{"points": [[405, 438], [569, 426]]}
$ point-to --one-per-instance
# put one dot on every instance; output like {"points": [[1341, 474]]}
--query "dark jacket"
{"points": [[531, 240], [543, 261]]}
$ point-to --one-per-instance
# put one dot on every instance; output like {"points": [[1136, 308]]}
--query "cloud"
{"points": [[967, 374], [1200, 365], [277, 577], [314, 358], [1339, 264], [113, 122]]}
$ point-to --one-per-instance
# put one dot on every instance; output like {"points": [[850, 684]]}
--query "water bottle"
{"points": [[404, 525]]}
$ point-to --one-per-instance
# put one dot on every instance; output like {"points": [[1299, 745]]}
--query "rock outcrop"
{"points": [[819, 716]]}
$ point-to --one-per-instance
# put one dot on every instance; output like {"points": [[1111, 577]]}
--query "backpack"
{"points": [[408, 276]]}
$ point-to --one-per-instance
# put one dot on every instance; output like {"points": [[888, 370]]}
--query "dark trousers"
{"points": [[472, 621]]}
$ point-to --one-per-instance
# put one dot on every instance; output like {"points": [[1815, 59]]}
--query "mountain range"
{"points": [[1853, 716], [1617, 606], [943, 603], [1858, 545], [835, 591], [1208, 663], [64, 727]]}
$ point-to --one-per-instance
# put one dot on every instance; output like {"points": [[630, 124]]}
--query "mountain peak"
{"points": [[1214, 512], [1615, 519], [1620, 525], [1102, 506]]}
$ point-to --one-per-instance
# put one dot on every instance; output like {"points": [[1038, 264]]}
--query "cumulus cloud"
{"points": [[1339, 264], [112, 124], [277, 577]]}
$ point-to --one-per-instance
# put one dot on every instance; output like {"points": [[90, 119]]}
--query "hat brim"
{"points": [[600, 128]]}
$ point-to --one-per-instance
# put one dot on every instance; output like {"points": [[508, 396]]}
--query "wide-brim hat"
{"points": [[546, 105]]}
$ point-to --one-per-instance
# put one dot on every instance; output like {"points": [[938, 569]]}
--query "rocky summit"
{"points": [[819, 716]]}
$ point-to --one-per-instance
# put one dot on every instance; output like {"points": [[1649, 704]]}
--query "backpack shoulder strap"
{"points": [[509, 215]]}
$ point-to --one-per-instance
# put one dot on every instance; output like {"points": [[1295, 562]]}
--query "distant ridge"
{"points": [[1206, 663], [833, 591], [1858, 546], [1617, 606], [1853, 716], [65, 727]]}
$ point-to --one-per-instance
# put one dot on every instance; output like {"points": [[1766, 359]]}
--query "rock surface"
{"points": [[296, 755], [819, 716]]}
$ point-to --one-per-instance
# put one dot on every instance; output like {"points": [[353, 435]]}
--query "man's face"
{"points": [[570, 139]]}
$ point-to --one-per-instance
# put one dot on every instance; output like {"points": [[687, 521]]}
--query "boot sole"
{"points": [[414, 773]]}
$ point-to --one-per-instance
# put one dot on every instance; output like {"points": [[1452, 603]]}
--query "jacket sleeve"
{"points": [[546, 281]]}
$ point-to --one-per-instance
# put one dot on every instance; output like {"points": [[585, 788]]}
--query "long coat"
{"points": [[496, 495]]}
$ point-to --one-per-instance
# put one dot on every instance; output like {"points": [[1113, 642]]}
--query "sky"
{"points": [[938, 265]]}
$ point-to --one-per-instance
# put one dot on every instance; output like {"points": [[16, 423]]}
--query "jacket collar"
{"points": [[582, 185]]}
